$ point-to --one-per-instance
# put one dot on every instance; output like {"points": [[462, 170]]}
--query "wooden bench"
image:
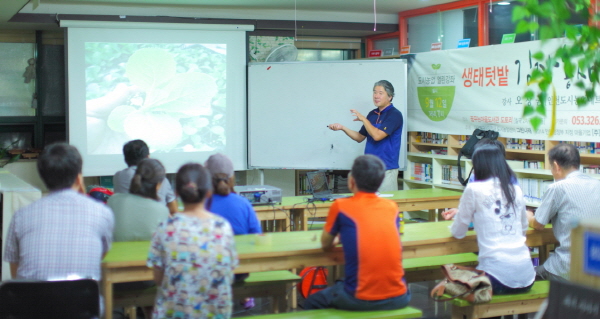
{"points": [[502, 305], [428, 268], [407, 312], [274, 284], [131, 299], [260, 284]]}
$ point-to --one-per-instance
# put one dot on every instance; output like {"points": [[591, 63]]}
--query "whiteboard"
{"points": [[290, 105]]}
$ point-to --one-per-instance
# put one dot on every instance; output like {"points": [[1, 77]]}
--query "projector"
{"points": [[260, 194]]}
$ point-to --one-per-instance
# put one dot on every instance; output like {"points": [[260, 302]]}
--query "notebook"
{"points": [[317, 182]]}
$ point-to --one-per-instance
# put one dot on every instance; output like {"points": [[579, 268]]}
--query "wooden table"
{"points": [[274, 216], [126, 261], [407, 200]]}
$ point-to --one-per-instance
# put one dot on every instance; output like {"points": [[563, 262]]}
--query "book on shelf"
{"points": [[450, 174], [534, 189], [431, 138], [420, 171], [525, 144], [439, 151], [589, 169], [586, 147], [533, 164]]}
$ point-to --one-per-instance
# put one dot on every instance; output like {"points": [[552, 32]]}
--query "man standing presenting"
{"points": [[374, 274], [573, 196], [64, 234], [382, 128]]}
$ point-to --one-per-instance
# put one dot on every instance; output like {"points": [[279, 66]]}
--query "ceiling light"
{"points": [[503, 3]]}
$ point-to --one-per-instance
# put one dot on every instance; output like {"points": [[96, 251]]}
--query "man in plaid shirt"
{"points": [[66, 233]]}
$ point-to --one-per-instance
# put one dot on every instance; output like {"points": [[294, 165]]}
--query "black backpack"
{"points": [[469, 147]]}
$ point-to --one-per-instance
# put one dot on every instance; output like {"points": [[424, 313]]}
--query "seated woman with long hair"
{"points": [[193, 254], [225, 202], [496, 207], [138, 213]]}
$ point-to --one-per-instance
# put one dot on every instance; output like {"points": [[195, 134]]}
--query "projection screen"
{"points": [[181, 88]]}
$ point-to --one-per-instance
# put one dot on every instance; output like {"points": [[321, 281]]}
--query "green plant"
{"points": [[579, 57], [6, 157]]}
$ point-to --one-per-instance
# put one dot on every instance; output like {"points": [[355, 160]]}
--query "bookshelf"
{"points": [[432, 161]]}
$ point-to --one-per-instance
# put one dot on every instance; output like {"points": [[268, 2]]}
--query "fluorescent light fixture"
{"points": [[503, 3]]}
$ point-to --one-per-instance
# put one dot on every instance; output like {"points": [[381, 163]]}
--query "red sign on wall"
{"points": [[436, 46], [374, 53]]}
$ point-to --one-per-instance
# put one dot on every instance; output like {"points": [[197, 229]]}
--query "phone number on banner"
{"points": [[585, 120]]}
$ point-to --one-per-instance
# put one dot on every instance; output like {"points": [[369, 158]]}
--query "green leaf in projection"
{"points": [[189, 94], [116, 118], [161, 131], [150, 67]]}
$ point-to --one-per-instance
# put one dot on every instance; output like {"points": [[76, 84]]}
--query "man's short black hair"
{"points": [[368, 172], [58, 165], [135, 151], [565, 155]]}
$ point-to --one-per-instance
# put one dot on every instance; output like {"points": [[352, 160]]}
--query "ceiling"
{"points": [[317, 17]]}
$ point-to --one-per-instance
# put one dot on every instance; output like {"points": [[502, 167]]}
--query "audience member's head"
{"points": [[59, 166], [148, 176], [489, 162], [565, 155], [193, 183], [489, 141], [368, 172], [221, 170], [135, 151]]}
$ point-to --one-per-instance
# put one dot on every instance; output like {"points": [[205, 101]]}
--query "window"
{"points": [[17, 79], [446, 27], [32, 106], [324, 55], [387, 46], [326, 48], [500, 17], [500, 22]]}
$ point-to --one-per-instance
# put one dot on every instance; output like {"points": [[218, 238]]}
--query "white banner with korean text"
{"points": [[457, 91]]}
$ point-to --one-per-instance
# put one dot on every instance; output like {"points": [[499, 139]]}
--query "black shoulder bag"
{"points": [[469, 147]]}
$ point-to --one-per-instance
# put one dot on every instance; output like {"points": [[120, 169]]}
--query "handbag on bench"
{"points": [[467, 283]]}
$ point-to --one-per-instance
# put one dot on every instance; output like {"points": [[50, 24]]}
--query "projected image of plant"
{"points": [[170, 95]]}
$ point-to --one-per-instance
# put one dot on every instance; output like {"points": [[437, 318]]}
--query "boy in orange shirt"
{"points": [[368, 229]]}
